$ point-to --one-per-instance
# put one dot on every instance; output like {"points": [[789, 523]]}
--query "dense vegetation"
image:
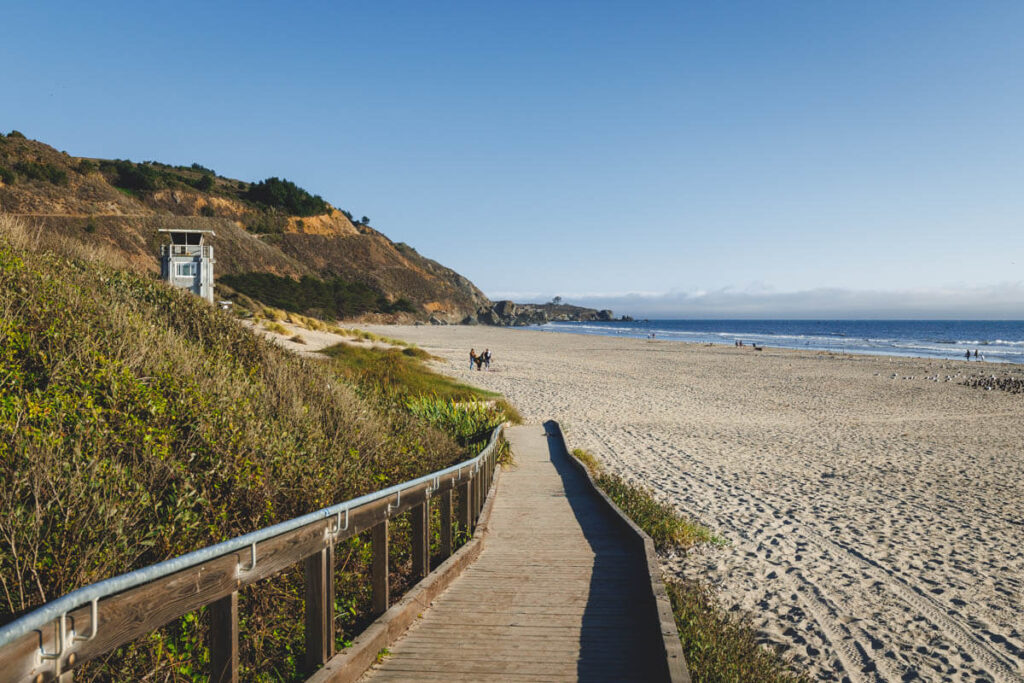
{"points": [[42, 171], [287, 196], [334, 298], [151, 176], [138, 423], [719, 646]]}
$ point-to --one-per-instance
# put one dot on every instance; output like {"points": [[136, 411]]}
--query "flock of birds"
{"points": [[1014, 385]]}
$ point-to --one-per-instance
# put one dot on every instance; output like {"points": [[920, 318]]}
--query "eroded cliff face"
{"points": [[121, 206]]}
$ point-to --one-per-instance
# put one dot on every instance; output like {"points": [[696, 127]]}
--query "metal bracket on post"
{"points": [[398, 503], [94, 612], [252, 560], [338, 528], [61, 633]]}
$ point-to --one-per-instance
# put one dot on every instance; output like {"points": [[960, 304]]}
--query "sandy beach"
{"points": [[873, 509]]}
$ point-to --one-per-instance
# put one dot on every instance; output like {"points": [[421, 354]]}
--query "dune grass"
{"points": [[719, 646], [138, 423], [666, 527], [399, 372]]}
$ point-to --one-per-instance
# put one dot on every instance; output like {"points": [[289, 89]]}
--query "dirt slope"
{"points": [[122, 205]]}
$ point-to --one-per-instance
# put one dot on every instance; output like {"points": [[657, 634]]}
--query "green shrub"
{"points": [[17, 134], [131, 176], [7, 176], [287, 196], [138, 423], [335, 298], [42, 171], [393, 373], [204, 183], [469, 421], [85, 167], [266, 223], [207, 211]]}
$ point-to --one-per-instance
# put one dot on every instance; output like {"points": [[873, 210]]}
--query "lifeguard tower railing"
{"points": [[49, 642], [203, 250]]}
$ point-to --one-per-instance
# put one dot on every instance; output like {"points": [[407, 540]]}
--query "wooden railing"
{"points": [[48, 643]]}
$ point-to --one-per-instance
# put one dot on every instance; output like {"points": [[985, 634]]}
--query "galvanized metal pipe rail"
{"points": [[49, 642]]}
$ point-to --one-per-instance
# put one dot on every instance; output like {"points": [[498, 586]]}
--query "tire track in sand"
{"points": [[822, 608]]}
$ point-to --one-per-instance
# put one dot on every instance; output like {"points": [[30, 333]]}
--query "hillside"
{"points": [[138, 423], [270, 227]]}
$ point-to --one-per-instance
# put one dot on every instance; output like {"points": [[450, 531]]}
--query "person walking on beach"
{"points": [[968, 354], [487, 359], [472, 357], [975, 353]]}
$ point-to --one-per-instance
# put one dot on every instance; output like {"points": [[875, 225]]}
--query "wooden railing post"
{"points": [[466, 506], [381, 598], [446, 524], [223, 639], [421, 539], [478, 496], [319, 608]]}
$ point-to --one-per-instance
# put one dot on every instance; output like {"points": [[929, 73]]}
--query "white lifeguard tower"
{"points": [[187, 262]]}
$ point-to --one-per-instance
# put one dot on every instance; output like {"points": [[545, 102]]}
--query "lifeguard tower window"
{"points": [[186, 269], [186, 238]]}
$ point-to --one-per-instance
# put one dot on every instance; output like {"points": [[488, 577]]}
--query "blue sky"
{"points": [[653, 157]]}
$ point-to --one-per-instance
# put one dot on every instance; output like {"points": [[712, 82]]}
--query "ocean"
{"points": [[996, 341]]}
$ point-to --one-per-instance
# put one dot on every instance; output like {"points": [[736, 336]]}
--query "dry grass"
{"points": [[19, 234], [138, 423]]}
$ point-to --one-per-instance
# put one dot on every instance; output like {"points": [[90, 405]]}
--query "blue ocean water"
{"points": [[996, 341]]}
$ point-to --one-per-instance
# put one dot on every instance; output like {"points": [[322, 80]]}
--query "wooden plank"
{"points": [[446, 524], [350, 664], [319, 612], [223, 639], [420, 523], [560, 592], [379, 540]]}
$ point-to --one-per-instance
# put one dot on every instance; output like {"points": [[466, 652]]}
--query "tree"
{"points": [[284, 194], [204, 183], [556, 301], [365, 220]]}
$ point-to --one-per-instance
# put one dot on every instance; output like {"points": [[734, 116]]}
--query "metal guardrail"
{"points": [[30, 650]]}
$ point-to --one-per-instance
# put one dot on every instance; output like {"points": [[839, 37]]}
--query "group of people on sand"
{"points": [[967, 355], [481, 361]]}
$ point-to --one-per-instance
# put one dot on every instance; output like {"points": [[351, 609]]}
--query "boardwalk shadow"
{"points": [[620, 638]]}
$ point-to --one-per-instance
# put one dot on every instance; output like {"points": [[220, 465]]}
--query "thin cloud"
{"points": [[1002, 301]]}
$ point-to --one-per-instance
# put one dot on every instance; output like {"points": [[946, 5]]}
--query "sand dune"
{"points": [[875, 524]]}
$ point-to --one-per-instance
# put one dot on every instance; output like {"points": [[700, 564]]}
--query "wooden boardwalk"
{"points": [[558, 593]]}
